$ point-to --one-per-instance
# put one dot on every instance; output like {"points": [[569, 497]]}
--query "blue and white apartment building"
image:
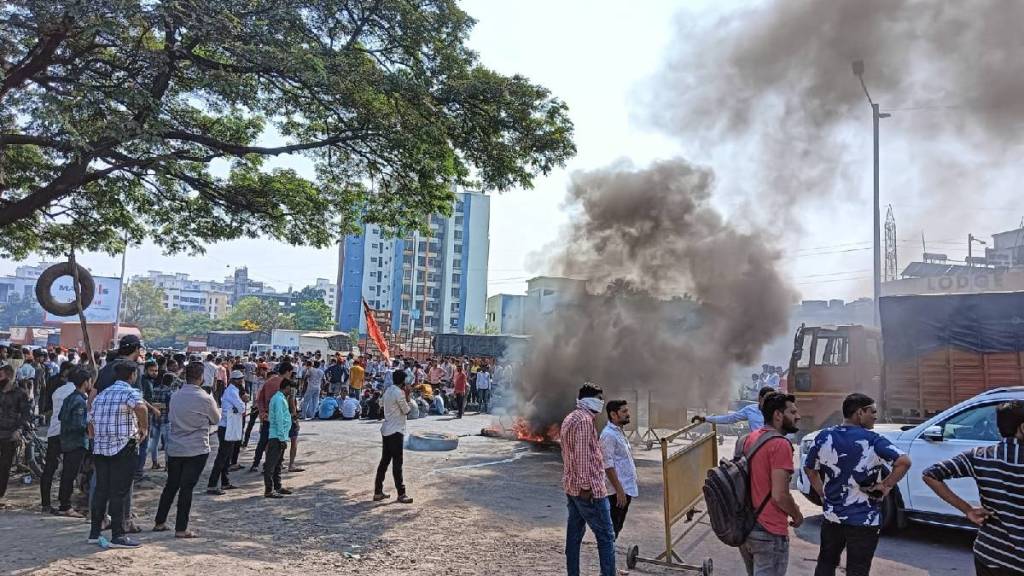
{"points": [[435, 283]]}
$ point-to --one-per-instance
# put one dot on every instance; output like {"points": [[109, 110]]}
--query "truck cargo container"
{"points": [[285, 341], [235, 341], [101, 335], [327, 343], [480, 345], [933, 351]]}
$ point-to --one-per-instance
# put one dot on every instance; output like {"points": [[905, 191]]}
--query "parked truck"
{"points": [[933, 351], [101, 335], [285, 341], [480, 345], [235, 341], [326, 343]]}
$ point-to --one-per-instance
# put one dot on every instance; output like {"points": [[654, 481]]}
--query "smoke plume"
{"points": [[677, 296]]}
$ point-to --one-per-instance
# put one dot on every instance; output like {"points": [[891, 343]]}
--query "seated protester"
{"points": [[415, 412], [438, 405], [350, 408], [329, 409], [423, 405], [374, 411], [426, 391]]}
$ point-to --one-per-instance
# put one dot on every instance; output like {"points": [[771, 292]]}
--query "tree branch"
{"points": [[240, 150], [38, 58]]}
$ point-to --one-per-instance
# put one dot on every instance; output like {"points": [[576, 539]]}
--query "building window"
{"points": [[455, 292], [456, 278], [458, 220], [459, 206], [407, 275], [458, 248], [422, 261], [457, 264], [373, 260], [455, 322], [455, 308], [419, 290], [374, 245], [419, 276], [457, 235], [434, 248]]}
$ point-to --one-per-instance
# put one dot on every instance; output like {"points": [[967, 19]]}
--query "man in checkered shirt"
{"points": [[118, 422], [583, 482]]}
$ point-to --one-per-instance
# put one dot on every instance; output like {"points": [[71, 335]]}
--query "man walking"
{"points": [[998, 471], [192, 412], [618, 463], [583, 482], [766, 551], [232, 407], [392, 431], [15, 421], [461, 385], [751, 413], [279, 425], [845, 467], [118, 420], [74, 442]]}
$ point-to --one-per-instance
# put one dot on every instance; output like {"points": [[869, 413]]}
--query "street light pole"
{"points": [[876, 115]]}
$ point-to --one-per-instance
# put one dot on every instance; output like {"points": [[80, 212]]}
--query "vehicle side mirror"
{"points": [[933, 434]]}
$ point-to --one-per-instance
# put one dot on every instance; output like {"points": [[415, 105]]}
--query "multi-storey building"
{"points": [[330, 295], [183, 293], [433, 283]]}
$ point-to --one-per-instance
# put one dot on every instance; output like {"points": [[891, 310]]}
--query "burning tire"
{"points": [[45, 284], [432, 442]]}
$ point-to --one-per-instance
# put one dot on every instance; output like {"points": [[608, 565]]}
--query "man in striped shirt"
{"points": [[583, 482], [999, 473]]}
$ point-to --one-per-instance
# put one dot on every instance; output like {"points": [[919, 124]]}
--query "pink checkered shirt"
{"points": [[581, 455]]}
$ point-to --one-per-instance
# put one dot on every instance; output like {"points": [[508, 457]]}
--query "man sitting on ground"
{"points": [[350, 408], [329, 408]]}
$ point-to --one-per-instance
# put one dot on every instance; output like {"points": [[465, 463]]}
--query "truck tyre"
{"points": [[432, 442], [45, 284]]}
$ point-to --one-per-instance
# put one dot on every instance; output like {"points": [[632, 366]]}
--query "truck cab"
{"points": [[830, 362]]}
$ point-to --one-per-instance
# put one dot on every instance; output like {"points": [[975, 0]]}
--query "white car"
{"points": [[968, 424]]}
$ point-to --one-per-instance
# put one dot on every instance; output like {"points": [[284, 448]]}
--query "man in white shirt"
{"points": [[483, 389], [396, 407], [53, 450], [350, 408], [618, 463]]}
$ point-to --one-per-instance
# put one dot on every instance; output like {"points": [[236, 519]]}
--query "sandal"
{"points": [[160, 528], [71, 513], [186, 534]]}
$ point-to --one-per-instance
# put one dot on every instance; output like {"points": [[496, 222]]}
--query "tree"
{"points": [[313, 315], [253, 313], [309, 293], [113, 111], [474, 329], [18, 311], [142, 303]]}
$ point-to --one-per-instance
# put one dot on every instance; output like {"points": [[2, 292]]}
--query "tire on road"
{"points": [[45, 284], [432, 442]]}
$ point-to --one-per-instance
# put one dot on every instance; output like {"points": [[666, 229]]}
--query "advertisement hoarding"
{"points": [[104, 304]]}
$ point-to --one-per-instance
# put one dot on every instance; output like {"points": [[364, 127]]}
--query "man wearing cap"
{"points": [[232, 407], [191, 413]]}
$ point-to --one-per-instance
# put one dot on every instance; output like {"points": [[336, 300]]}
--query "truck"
{"points": [[480, 345], [235, 341], [285, 341], [933, 351], [327, 343]]}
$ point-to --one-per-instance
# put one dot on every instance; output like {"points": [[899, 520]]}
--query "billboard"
{"points": [[104, 304]]}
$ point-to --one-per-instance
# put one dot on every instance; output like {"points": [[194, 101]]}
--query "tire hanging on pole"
{"points": [[50, 275]]}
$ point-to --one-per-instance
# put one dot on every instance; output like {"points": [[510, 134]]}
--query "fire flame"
{"points": [[524, 432]]}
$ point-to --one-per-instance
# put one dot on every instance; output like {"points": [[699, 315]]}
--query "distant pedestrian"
{"points": [[483, 389], [192, 412], [279, 425], [998, 471], [396, 409], [15, 422], [619, 465], [461, 387], [583, 480], [846, 468], [262, 403], [229, 433]]}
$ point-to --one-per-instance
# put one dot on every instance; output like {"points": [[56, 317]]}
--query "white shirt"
{"points": [[396, 408], [230, 403], [483, 380], [617, 454], [58, 401], [773, 381], [349, 408], [209, 374]]}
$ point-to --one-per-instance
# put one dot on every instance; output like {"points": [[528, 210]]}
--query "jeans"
{"points": [[261, 445], [309, 404], [113, 483], [595, 513], [7, 451], [859, 541], [253, 417], [50, 468], [72, 466], [225, 449], [392, 454], [765, 554], [619, 514], [141, 464], [484, 396], [182, 476], [981, 569], [157, 437], [272, 468]]}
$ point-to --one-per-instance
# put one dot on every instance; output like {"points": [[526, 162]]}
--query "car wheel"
{"points": [[889, 513]]}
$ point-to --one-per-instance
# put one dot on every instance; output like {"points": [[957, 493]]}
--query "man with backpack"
{"points": [[847, 468], [748, 497]]}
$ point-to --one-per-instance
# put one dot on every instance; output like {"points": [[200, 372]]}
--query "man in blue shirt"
{"points": [[751, 413], [847, 468], [329, 408]]}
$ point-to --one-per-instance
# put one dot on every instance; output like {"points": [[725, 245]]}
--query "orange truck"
{"points": [[932, 352], [101, 335]]}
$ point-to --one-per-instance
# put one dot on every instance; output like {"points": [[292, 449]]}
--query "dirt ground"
{"points": [[492, 506]]}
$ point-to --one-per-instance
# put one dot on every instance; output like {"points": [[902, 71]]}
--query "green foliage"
{"points": [[309, 293], [474, 329], [254, 313], [20, 311], [148, 119], [142, 303], [312, 315]]}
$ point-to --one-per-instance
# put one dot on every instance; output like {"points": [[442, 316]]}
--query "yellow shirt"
{"points": [[356, 378]]}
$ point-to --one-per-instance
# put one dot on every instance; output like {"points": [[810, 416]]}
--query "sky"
{"points": [[599, 57]]}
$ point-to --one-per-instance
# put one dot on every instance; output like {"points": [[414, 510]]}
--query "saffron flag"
{"points": [[374, 331]]}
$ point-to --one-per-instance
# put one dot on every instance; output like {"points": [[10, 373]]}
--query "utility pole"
{"points": [[858, 71]]}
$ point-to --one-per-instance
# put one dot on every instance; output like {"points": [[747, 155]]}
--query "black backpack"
{"points": [[727, 493]]}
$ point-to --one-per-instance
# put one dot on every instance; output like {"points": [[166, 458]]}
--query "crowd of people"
{"points": [[850, 467], [107, 418]]}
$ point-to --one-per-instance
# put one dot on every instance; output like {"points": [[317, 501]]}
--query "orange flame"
{"points": [[524, 432]]}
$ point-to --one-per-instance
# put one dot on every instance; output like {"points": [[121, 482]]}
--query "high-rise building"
{"points": [[434, 282], [330, 295], [183, 293]]}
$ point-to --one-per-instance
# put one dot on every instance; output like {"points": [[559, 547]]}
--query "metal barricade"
{"points": [[683, 473]]}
